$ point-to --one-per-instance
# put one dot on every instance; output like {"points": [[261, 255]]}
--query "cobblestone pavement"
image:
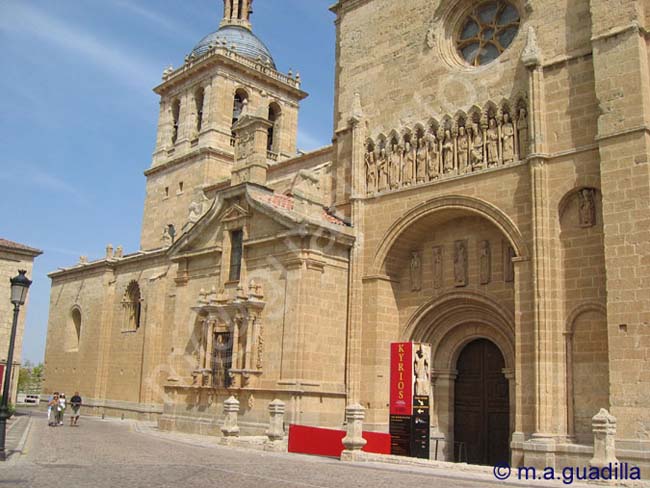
{"points": [[114, 454]]}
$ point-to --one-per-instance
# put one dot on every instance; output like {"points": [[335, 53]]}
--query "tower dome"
{"points": [[235, 32], [243, 40]]}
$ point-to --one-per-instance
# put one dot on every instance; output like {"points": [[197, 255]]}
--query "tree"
{"points": [[30, 377], [24, 379]]}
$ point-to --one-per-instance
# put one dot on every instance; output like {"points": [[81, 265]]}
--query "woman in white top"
{"points": [[61, 408]]}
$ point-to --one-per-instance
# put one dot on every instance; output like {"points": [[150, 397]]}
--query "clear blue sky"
{"points": [[78, 117]]}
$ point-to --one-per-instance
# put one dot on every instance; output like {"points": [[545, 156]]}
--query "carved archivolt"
{"points": [[483, 138]]}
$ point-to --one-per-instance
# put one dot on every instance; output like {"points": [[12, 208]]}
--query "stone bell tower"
{"points": [[200, 105]]}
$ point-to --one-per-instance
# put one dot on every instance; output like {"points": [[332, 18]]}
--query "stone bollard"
{"points": [[230, 410], [353, 440], [276, 420], [604, 429]]}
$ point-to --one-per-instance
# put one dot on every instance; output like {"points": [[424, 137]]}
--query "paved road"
{"points": [[114, 454]]}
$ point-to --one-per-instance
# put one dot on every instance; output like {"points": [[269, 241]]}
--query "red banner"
{"points": [[328, 442], [401, 378]]}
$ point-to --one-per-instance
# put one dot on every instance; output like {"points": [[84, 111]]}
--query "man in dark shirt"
{"points": [[75, 401]]}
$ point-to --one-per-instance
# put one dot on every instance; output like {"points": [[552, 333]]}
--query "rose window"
{"points": [[487, 31]]}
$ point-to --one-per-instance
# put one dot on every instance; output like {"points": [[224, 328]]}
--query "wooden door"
{"points": [[222, 359], [481, 405]]}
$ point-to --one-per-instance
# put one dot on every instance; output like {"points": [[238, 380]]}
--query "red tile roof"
{"points": [[18, 247], [287, 202], [332, 219], [280, 201]]}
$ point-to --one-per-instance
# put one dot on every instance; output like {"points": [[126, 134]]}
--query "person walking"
{"points": [[49, 410], [62, 406], [75, 402], [53, 407]]}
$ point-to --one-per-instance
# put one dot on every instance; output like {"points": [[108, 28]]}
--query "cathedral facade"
{"points": [[486, 192]]}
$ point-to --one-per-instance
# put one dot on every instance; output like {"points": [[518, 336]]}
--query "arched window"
{"points": [[73, 334], [238, 106], [176, 113], [132, 304], [199, 99], [274, 116]]}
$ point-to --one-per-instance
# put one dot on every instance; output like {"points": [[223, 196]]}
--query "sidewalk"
{"points": [[439, 469], [17, 433]]}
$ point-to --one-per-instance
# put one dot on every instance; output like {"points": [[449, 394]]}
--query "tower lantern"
{"points": [[237, 12]]}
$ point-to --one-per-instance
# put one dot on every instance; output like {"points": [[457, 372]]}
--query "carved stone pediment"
{"points": [[235, 212]]}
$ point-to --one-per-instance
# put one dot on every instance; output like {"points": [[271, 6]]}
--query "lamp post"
{"points": [[19, 286]]}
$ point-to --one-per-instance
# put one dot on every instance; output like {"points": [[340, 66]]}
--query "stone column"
{"points": [[355, 309], [353, 440], [209, 344], [250, 322], [604, 428], [445, 386], [231, 411], [275, 431]]}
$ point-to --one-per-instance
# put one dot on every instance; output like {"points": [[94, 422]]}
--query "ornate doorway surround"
{"points": [[451, 323]]}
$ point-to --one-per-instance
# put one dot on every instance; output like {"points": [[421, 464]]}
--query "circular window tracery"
{"points": [[487, 31]]}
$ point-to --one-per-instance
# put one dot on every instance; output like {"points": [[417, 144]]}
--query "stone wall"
{"points": [[10, 262]]}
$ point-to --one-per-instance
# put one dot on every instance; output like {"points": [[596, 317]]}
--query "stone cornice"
{"points": [[344, 6], [21, 252], [226, 57], [633, 27], [623, 132], [192, 254], [204, 151], [104, 265]]}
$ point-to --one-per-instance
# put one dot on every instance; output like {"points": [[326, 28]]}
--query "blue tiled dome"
{"points": [[245, 42]]}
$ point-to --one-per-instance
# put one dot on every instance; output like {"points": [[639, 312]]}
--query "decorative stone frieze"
{"points": [[470, 142]]}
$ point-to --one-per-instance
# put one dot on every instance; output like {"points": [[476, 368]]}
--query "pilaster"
{"points": [[622, 83]]}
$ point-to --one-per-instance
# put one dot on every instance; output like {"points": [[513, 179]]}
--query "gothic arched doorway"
{"points": [[481, 405]]}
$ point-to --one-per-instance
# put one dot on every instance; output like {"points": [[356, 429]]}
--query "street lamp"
{"points": [[19, 286]]}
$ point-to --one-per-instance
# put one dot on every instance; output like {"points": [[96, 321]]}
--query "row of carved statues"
{"points": [[461, 265], [495, 140]]}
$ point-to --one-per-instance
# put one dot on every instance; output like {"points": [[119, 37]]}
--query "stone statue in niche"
{"points": [[508, 139], [421, 161], [492, 143], [437, 267], [371, 171], [165, 238], [382, 170], [409, 164], [485, 262], [463, 150], [460, 263], [433, 160], [447, 153], [587, 208], [416, 271], [522, 131], [476, 153], [395, 166], [508, 264], [422, 371]]}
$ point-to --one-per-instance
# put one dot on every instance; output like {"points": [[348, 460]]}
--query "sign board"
{"points": [[410, 390]]}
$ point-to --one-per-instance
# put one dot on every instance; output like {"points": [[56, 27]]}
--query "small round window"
{"points": [[487, 31]]}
